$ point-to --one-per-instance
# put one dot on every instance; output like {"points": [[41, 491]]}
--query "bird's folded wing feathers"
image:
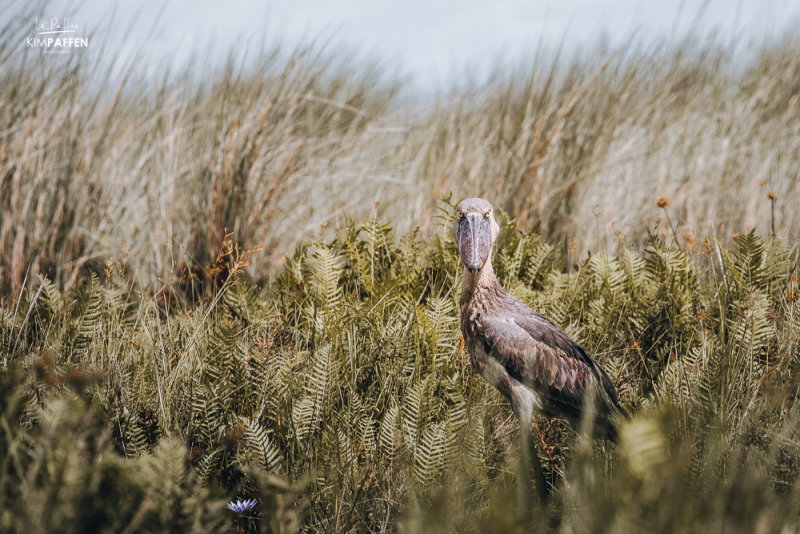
{"points": [[535, 352]]}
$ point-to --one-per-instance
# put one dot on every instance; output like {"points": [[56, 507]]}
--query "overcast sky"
{"points": [[428, 40]]}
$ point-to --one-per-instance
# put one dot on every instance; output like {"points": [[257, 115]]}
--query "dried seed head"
{"points": [[663, 202]]}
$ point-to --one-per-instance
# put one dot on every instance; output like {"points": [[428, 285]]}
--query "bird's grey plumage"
{"points": [[518, 351]]}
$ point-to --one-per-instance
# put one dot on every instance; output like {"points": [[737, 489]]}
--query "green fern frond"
{"points": [[257, 440], [326, 271], [390, 432], [90, 321], [430, 453]]}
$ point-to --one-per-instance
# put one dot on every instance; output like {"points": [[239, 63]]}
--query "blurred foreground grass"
{"points": [[340, 398]]}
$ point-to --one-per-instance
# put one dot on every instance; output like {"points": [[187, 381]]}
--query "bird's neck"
{"points": [[476, 282]]}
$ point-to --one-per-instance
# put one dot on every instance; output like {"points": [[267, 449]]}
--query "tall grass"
{"points": [[159, 169]]}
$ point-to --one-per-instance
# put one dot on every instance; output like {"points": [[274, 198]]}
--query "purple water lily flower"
{"points": [[241, 506]]}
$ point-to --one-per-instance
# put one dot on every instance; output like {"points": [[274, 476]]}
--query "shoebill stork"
{"points": [[536, 366]]}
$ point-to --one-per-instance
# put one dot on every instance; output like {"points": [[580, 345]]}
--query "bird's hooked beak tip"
{"points": [[474, 268]]}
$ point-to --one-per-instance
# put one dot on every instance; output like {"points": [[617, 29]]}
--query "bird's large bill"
{"points": [[474, 240]]}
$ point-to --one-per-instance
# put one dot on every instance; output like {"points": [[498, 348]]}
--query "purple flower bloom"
{"points": [[241, 506]]}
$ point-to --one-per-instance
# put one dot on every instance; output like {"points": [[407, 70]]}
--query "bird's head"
{"points": [[475, 231]]}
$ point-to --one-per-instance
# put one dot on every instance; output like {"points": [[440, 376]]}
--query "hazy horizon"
{"points": [[433, 44]]}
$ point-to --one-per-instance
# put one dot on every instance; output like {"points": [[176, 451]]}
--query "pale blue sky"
{"points": [[428, 40]]}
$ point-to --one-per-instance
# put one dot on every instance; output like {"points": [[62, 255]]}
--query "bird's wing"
{"points": [[539, 355]]}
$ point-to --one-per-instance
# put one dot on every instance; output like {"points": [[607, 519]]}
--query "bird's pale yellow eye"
{"points": [[487, 214], [460, 214]]}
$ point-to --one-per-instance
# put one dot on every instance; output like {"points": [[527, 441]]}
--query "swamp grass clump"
{"points": [[339, 397]]}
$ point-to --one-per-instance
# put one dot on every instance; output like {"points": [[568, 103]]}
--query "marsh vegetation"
{"points": [[190, 316]]}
